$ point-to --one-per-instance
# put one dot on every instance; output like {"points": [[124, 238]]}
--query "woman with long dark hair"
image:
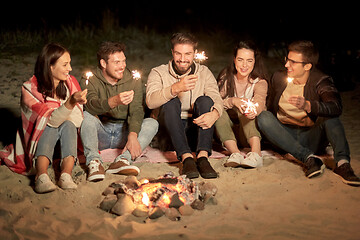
{"points": [[51, 111], [243, 87]]}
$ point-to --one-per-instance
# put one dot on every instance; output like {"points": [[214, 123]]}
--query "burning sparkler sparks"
{"points": [[88, 75], [290, 79], [249, 106], [136, 75], [200, 56]]}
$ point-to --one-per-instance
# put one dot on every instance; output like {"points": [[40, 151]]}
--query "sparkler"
{"points": [[136, 75], [290, 79], [200, 56], [88, 75], [249, 106]]}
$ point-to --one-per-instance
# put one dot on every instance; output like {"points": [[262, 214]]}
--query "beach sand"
{"points": [[275, 201]]}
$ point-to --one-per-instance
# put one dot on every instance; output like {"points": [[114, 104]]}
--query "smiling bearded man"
{"points": [[189, 101], [114, 114]]}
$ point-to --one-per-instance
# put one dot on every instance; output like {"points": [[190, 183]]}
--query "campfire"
{"points": [[169, 195]]}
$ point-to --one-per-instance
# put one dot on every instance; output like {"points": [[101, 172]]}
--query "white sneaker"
{"points": [[66, 182], [43, 184], [252, 160], [234, 160]]}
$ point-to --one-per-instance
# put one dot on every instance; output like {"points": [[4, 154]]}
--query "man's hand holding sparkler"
{"points": [[185, 84], [300, 102], [123, 98]]}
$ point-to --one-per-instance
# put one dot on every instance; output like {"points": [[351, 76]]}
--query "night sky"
{"points": [[335, 23]]}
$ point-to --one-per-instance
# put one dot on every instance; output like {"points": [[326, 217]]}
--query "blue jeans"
{"points": [[178, 128], [303, 141], [66, 133], [97, 136]]}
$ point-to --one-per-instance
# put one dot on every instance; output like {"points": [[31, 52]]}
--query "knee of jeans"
{"points": [[263, 119], [174, 103], [204, 101], [89, 121], [332, 122], [171, 108], [68, 125], [150, 124]]}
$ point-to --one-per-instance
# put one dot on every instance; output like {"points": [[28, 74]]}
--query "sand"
{"points": [[275, 201]]}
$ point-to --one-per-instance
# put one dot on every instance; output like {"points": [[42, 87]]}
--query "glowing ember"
{"points": [[158, 193], [145, 199], [290, 79], [153, 198], [136, 75], [200, 56], [249, 106]]}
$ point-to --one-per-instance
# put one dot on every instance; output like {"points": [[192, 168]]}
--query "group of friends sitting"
{"points": [[297, 111]]}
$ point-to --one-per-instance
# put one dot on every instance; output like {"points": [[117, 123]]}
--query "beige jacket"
{"points": [[161, 78]]}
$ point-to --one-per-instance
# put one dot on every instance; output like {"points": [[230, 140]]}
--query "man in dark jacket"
{"points": [[303, 114]]}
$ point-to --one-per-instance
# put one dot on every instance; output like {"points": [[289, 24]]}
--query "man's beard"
{"points": [[180, 69]]}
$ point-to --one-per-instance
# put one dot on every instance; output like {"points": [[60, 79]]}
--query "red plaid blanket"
{"points": [[35, 112]]}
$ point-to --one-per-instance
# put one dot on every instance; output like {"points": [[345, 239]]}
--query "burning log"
{"points": [[167, 195]]}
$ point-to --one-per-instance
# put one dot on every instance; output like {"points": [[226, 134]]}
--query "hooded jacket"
{"points": [[161, 78], [100, 90]]}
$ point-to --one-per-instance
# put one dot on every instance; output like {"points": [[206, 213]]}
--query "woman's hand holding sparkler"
{"points": [[77, 97], [245, 106]]}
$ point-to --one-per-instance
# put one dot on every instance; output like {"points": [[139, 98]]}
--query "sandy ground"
{"points": [[273, 202]]}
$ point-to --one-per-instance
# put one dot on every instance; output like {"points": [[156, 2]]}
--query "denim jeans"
{"points": [[184, 134], [97, 136], [303, 141], [66, 133]]}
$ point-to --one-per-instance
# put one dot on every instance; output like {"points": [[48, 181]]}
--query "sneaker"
{"points": [[205, 169], [313, 167], [123, 167], [346, 173], [234, 160], [43, 184], [96, 171], [252, 160], [189, 168], [66, 181]]}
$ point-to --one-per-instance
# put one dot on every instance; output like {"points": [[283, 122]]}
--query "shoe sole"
{"points": [[192, 175], [351, 183], [209, 175], [232, 164], [96, 178], [316, 173], [128, 170]]}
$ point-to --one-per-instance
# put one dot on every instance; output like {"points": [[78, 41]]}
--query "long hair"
{"points": [[227, 74], [48, 57]]}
